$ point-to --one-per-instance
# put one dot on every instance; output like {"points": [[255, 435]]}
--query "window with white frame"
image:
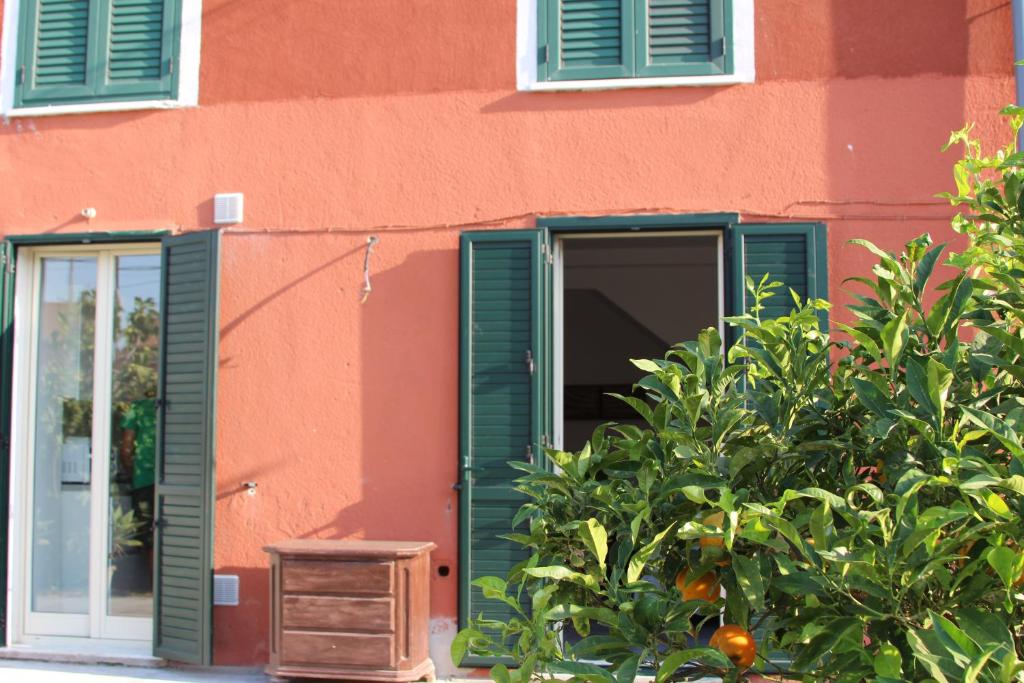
{"points": [[580, 44], [65, 56]]}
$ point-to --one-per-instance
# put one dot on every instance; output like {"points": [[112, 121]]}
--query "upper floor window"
{"points": [[93, 55], [567, 44]]}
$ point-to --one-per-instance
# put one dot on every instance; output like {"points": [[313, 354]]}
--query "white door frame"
{"points": [[96, 624], [558, 303]]}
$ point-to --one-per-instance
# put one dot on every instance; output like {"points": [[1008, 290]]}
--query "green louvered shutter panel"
{"points": [[503, 363], [185, 449], [56, 43], [683, 37], [140, 48], [794, 254], [6, 367], [81, 51], [586, 39]]}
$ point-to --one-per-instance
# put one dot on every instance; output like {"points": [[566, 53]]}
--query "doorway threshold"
{"points": [[83, 651]]}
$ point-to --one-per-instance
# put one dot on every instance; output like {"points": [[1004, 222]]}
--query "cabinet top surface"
{"points": [[329, 548]]}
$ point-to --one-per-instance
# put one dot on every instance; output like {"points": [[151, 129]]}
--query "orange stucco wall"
{"points": [[400, 118]]}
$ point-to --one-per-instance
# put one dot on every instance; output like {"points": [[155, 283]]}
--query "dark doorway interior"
{"points": [[627, 297]]}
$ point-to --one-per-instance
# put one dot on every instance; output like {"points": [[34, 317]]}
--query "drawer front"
{"points": [[349, 649], [323, 576], [338, 614]]}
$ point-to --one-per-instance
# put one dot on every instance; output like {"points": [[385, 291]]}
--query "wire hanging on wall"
{"points": [[370, 241]]}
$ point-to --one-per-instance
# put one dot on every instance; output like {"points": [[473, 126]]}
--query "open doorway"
{"points": [[622, 296]]}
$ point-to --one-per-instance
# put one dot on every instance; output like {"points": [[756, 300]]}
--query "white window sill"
{"points": [[620, 83], [91, 107]]}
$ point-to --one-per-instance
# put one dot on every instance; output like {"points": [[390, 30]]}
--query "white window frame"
{"points": [[526, 57], [188, 63]]}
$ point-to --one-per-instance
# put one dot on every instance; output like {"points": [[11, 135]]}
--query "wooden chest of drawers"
{"points": [[350, 609]]}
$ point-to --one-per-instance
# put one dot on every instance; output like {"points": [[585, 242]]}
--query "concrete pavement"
{"points": [[13, 671]]}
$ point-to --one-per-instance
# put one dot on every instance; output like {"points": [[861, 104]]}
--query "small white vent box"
{"points": [[225, 590], [228, 208]]}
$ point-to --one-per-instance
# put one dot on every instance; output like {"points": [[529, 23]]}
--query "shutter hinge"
{"points": [[21, 75], [547, 54], [160, 403], [529, 453], [7, 261], [546, 253], [530, 365], [170, 65]]}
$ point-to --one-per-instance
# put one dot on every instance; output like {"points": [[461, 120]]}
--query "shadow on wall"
{"points": [[409, 386], [231, 630], [273, 50], [884, 128]]}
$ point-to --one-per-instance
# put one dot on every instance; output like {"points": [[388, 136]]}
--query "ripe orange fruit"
{"points": [[706, 587], [716, 520], [736, 643]]}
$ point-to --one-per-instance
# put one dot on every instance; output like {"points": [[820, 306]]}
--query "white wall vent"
{"points": [[228, 208], [225, 590]]}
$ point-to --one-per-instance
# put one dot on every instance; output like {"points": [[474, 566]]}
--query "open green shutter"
{"points": [[80, 51], [795, 254], [185, 448], [6, 367], [683, 37], [585, 39], [503, 409]]}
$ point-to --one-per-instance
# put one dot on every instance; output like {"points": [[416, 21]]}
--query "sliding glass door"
{"points": [[89, 453]]}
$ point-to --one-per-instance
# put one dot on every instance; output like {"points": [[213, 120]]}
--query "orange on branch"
{"points": [[706, 587], [736, 643]]}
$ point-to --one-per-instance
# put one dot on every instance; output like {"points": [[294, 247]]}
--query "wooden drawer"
{"points": [[346, 649], [325, 576], [351, 610], [338, 613]]}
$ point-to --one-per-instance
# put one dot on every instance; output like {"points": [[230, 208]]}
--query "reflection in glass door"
{"points": [[89, 465]]}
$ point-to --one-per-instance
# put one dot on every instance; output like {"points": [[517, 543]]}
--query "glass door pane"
{"points": [[136, 338], [62, 431]]}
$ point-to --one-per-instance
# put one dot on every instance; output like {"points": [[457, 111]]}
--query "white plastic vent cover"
{"points": [[225, 590], [228, 208]]}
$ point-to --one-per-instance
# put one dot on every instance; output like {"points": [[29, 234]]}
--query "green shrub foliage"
{"points": [[870, 484]]}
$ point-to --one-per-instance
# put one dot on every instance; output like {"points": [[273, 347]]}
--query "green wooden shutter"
{"points": [[6, 367], [503, 409], [185, 448], [794, 254], [80, 51], [585, 39], [683, 37]]}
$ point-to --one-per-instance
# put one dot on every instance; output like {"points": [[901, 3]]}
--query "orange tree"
{"points": [[860, 501]]}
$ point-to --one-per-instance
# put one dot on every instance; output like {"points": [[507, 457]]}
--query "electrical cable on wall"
{"points": [[370, 241]]}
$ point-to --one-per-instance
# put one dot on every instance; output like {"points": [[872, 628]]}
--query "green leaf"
{"points": [[1003, 560], [499, 674], [558, 573], [460, 644], [873, 399], [972, 672], [582, 671], [889, 661], [997, 428], [894, 338], [925, 267], [940, 378], [639, 560], [706, 655], [626, 671], [748, 576], [594, 536]]}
